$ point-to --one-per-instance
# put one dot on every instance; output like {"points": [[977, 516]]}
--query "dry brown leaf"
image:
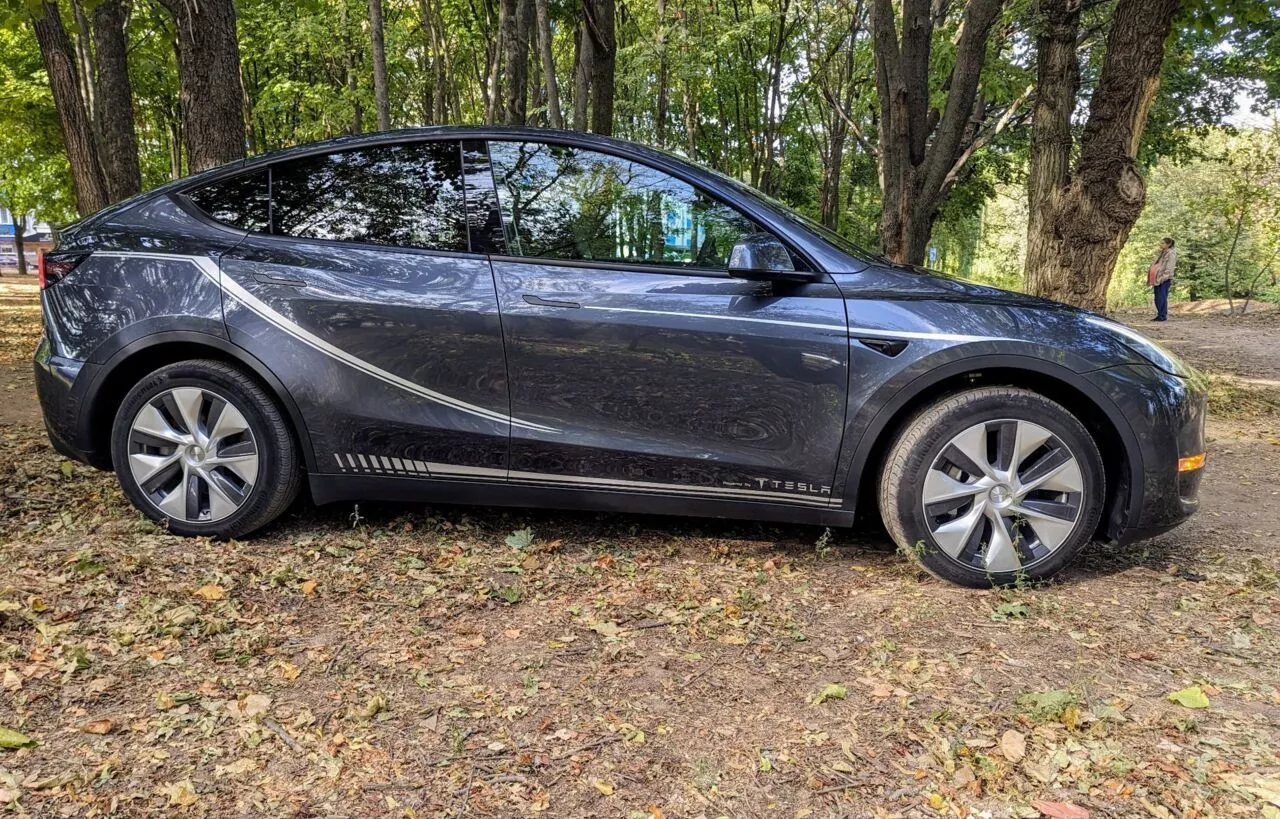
{"points": [[1060, 810], [182, 794], [237, 768], [1013, 745], [211, 592], [251, 706]]}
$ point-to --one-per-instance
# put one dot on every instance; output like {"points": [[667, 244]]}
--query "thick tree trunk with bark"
{"points": [[601, 20], [583, 70], [516, 24], [84, 58], [922, 149], [554, 117], [1080, 220], [77, 132], [117, 138], [382, 100], [209, 78]]}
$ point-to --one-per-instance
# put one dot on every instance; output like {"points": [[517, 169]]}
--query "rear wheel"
{"points": [[200, 446], [991, 486]]}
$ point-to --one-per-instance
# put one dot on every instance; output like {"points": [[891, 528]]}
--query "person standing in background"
{"points": [[1160, 277]]}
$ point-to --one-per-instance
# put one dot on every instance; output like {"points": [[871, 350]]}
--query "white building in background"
{"points": [[36, 236]]}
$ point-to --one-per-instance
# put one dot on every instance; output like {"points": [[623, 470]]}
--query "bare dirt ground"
{"points": [[393, 661]]}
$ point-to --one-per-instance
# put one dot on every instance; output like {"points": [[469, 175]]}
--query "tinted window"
{"points": [[560, 202], [241, 202], [407, 195]]}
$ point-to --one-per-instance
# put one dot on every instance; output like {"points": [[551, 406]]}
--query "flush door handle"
{"points": [[539, 301]]}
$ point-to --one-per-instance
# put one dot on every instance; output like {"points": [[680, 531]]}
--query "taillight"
{"points": [[54, 266]]}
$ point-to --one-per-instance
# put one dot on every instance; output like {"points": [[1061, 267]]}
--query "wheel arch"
{"points": [[899, 403], [135, 360]]}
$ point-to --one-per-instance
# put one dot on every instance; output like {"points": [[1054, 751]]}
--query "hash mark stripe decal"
{"points": [[459, 471], [264, 311]]}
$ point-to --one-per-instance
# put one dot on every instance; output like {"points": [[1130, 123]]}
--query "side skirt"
{"points": [[326, 488]]}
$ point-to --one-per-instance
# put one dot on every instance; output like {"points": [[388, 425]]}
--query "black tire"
{"points": [[278, 475], [920, 447]]}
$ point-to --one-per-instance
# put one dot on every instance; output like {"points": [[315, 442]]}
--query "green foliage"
{"points": [[33, 166], [1231, 182]]}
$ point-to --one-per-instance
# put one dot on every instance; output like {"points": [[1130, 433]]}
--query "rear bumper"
{"points": [[59, 383], [1167, 417]]}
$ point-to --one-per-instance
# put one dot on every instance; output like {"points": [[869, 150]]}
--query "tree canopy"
{"points": [[893, 121]]}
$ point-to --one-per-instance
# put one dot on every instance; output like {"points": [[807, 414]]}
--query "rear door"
{"points": [[641, 364], [360, 291]]}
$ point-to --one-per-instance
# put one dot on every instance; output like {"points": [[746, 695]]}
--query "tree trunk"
{"points": [[1057, 82], [1085, 220], [554, 116], [1231, 255], [85, 60], [118, 140], [19, 226], [602, 30], [77, 133], [209, 78], [660, 114], [380, 96], [583, 69], [916, 172], [516, 19]]}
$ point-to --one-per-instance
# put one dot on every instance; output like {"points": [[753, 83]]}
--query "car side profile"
{"points": [[525, 317]]}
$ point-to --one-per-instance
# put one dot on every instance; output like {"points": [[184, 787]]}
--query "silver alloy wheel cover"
{"points": [[1007, 513], [193, 455]]}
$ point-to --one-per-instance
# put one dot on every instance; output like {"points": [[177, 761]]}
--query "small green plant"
{"points": [[915, 551], [1011, 610], [823, 546], [1047, 706]]}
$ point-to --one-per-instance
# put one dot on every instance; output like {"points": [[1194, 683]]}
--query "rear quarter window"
{"points": [[407, 195], [242, 202]]}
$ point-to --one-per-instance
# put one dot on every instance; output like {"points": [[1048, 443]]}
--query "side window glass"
{"points": [[560, 202], [405, 195], [241, 202]]}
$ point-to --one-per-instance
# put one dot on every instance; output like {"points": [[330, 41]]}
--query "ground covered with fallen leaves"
{"points": [[409, 661]]}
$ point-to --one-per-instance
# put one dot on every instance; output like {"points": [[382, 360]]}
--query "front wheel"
{"points": [[201, 447], [991, 486]]}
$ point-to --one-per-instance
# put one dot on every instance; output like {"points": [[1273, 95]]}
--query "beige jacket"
{"points": [[1165, 264]]}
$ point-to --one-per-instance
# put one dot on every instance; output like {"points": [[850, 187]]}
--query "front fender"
{"points": [[883, 408]]}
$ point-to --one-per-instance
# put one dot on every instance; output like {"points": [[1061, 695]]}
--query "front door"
{"points": [[363, 293], [643, 364]]}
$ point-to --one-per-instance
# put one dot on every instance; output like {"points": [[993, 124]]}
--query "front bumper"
{"points": [[1166, 416]]}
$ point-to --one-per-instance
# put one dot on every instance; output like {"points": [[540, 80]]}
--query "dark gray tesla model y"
{"points": [[528, 317]]}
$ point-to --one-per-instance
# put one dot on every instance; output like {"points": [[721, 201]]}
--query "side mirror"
{"points": [[761, 257]]}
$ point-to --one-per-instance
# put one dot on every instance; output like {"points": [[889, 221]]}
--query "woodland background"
{"points": [[1013, 141]]}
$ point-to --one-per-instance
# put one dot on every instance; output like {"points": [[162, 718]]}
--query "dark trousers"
{"points": [[1162, 299]]}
